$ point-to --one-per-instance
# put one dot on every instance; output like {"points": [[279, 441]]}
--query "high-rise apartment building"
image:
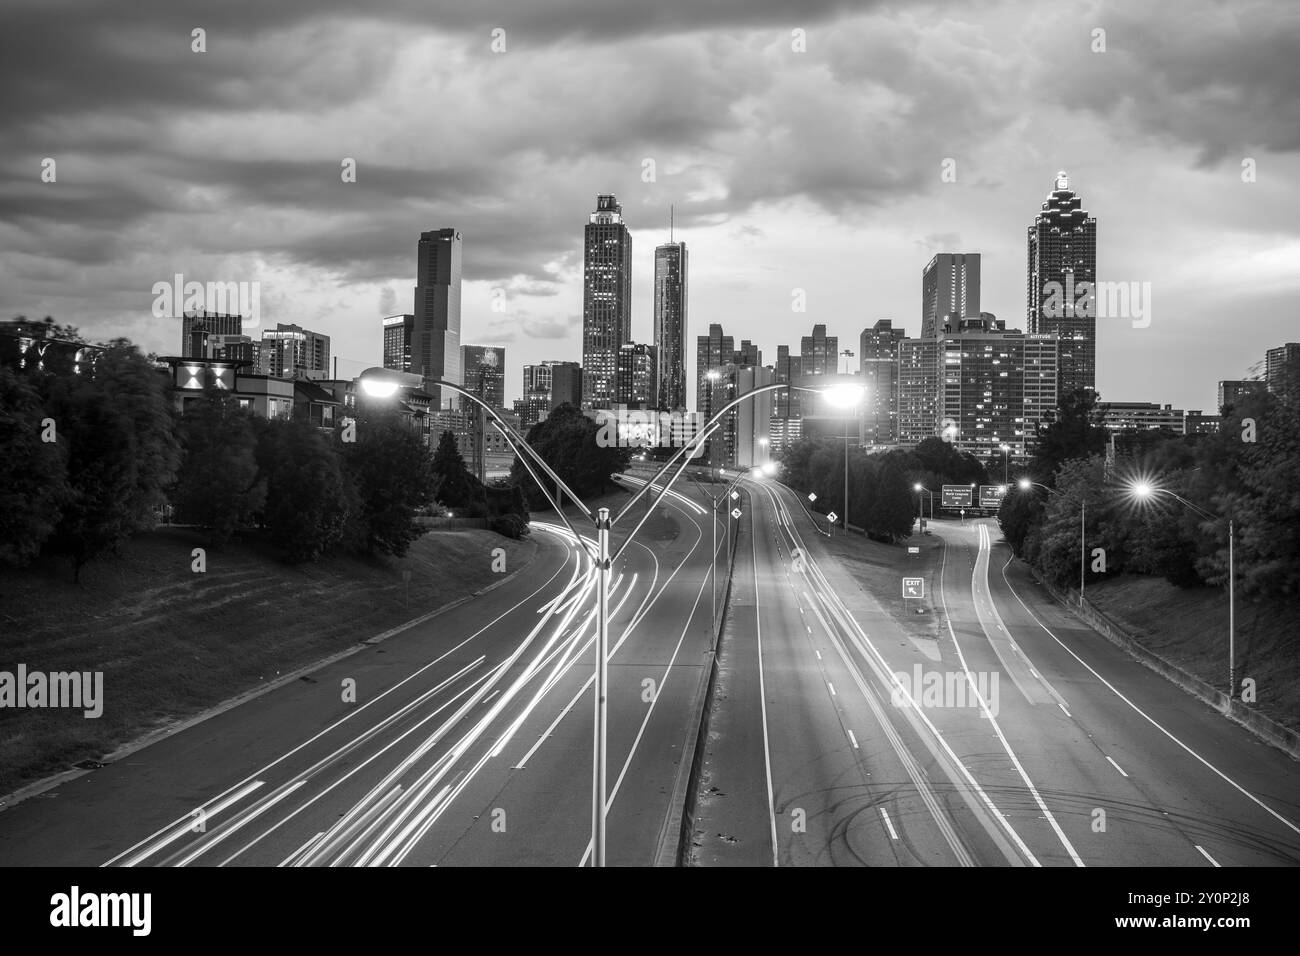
{"points": [[1063, 255], [878, 352], [788, 369], [950, 283], [636, 375], [712, 353], [1282, 368], [399, 334], [671, 262], [606, 300], [1230, 392], [290, 351], [435, 352]]}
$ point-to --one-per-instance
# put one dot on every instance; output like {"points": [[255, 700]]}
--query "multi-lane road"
{"points": [[841, 731], [1017, 736]]}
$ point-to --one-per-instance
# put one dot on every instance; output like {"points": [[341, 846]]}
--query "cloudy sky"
{"points": [[802, 144]]}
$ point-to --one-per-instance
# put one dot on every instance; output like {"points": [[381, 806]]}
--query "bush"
{"points": [[510, 525]]}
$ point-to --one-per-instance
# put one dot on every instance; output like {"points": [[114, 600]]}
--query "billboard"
{"points": [[956, 496], [991, 495]]}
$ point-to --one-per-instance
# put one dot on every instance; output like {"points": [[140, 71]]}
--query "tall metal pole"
{"points": [[846, 480], [713, 568], [602, 673], [1232, 614], [1083, 529]]}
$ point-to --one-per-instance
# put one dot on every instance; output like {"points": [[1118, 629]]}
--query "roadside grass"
{"points": [[1190, 628], [172, 643]]}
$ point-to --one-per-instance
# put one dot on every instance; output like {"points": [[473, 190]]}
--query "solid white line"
{"points": [[853, 740], [832, 687], [893, 834], [1149, 719], [762, 693], [1117, 766], [818, 653], [1066, 712], [1213, 861]]}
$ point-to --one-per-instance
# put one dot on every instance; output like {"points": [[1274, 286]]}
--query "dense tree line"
{"points": [[89, 458], [566, 441], [881, 495], [1249, 472]]}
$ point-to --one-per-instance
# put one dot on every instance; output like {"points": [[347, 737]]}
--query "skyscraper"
{"points": [[1282, 368], [399, 333], [670, 325], [636, 374], [712, 352], [878, 349], [436, 349], [484, 371], [1062, 256], [289, 351], [950, 283], [606, 300]]}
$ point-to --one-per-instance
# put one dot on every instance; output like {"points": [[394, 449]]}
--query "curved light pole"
{"points": [[929, 495], [1026, 484], [384, 383], [1146, 491]]}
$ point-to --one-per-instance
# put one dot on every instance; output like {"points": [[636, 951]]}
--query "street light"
{"points": [[1146, 491], [1026, 484], [929, 496]]}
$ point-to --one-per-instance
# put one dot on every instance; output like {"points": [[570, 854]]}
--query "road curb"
{"points": [[1265, 728], [675, 836], [8, 801]]}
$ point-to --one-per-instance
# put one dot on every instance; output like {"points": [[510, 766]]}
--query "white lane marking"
{"points": [[491, 695], [1213, 861], [1056, 827], [853, 740], [1117, 766], [832, 687], [762, 698], [1149, 719], [818, 653], [893, 834], [1066, 712]]}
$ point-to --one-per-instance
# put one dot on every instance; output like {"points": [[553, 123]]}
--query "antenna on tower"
{"points": [[670, 223]]}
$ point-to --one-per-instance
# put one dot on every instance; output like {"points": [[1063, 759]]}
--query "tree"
{"points": [[1073, 431], [308, 499], [457, 488], [219, 486], [891, 513], [392, 476], [1020, 513], [116, 424], [574, 448], [33, 473]]}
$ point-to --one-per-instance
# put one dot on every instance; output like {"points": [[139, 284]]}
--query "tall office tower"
{"points": [[712, 353], [788, 369], [566, 385], [747, 429], [635, 376], [748, 354], [878, 350], [990, 386], [606, 300], [1282, 369], [290, 351], [918, 390], [399, 333], [196, 326], [436, 350], [670, 325], [819, 353], [537, 377], [949, 284], [484, 371], [1063, 254]]}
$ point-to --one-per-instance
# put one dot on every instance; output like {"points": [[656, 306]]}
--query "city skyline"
{"points": [[1153, 130]]}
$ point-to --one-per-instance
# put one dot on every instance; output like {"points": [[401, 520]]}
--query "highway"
{"points": [[1028, 739], [468, 742]]}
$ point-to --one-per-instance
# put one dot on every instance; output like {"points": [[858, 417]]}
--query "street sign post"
{"points": [[913, 550], [956, 496], [913, 588], [832, 517], [735, 512]]}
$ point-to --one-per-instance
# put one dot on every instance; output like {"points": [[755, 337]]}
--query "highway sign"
{"points": [[913, 550], [735, 512], [735, 495], [913, 587], [991, 495], [812, 496], [956, 496], [832, 517]]}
